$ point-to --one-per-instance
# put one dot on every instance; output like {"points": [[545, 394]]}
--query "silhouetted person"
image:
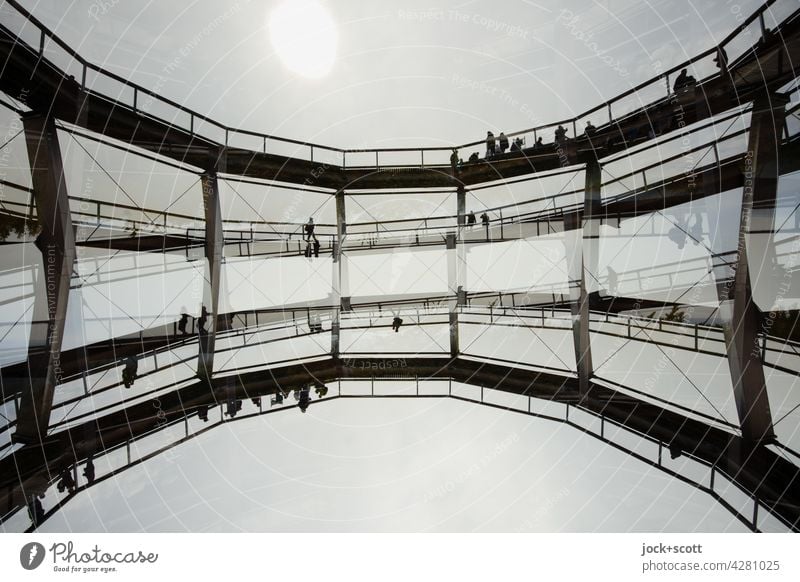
{"points": [[35, 511], [304, 399], [202, 413], [516, 145], [696, 230], [256, 401], [683, 80], [396, 323], [470, 218], [560, 134], [316, 248], [677, 234], [88, 471], [454, 159], [612, 281], [590, 129], [182, 323], [309, 251], [278, 399], [309, 228], [321, 390], [485, 219], [490, 144], [503, 141], [314, 323], [721, 60], [201, 321], [538, 143], [129, 373], [474, 157], [233, 407], [66, 482]]}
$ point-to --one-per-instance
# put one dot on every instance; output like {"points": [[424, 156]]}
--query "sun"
{"points": [[304, 36]]}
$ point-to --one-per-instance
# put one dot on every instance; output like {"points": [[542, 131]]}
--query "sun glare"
{"points": [[304, 35]]}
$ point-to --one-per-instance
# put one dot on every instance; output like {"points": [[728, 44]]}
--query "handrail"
{"points": [[368, 312], [656, 463], [45, 33]]}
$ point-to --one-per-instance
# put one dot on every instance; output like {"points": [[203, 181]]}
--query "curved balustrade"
{"points": [[122, 93], [265, 238], [247, 332], [712, 479]]}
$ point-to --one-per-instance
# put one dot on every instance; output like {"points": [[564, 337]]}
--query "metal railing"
{"points": [[597, 426], [48, 47]]}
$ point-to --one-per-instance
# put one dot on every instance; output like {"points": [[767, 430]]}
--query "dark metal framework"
{"points": [[741, 453]]}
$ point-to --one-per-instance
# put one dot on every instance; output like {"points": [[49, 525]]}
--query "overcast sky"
{"points": [[434, 74]]}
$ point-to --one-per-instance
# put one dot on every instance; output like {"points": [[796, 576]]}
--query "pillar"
{"points": [[582, 245], [741, 316], [56, 241], [214, 243]]}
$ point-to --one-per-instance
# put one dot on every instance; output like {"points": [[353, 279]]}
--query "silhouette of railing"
{"points": [[772, 15], [585, 421]]}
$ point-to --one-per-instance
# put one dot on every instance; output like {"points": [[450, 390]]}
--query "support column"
{"points": [[582, 245], [341, 286], [56, 241], [461, 207], [742, 317], [214, 242], [456, 268], [453, 291]]}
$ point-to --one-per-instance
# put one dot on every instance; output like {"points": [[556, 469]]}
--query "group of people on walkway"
{"points": [[183, 322], [471, 219]]}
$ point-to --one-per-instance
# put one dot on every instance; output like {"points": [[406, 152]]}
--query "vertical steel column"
{"points": [[341, 287], [742, 317], [453, 292], [214, 242], [456, 268], [56, 241], [461, 207], [582, 241]]}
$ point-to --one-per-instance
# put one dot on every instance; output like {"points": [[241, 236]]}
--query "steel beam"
{"points": [[56, 241], [454, 289], [581, 241], [742, 318], [341, 280], [214, 242]]}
